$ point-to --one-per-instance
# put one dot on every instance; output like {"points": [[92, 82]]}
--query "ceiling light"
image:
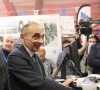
{"points": [[10, 1]]}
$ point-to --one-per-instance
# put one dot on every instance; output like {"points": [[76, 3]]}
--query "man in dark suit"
{"points": [[8, 44], [25, 70]]}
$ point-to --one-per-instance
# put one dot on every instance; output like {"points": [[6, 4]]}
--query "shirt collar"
{"points": [[31, 53]]}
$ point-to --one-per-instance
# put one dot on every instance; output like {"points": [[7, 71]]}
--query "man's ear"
{"points": [[22, 37]]}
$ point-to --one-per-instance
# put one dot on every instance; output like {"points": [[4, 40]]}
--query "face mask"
{"points": [[90, 44]]}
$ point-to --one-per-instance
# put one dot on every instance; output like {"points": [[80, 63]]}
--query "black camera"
{"points": [[84, 26]]}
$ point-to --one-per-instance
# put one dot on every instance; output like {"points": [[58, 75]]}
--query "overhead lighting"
{"points": [[10, 1]]}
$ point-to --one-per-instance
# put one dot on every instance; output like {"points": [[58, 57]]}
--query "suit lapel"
{"points": [[29, 58]]}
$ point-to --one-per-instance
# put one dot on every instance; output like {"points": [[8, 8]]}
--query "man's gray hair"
{"points": [[25, 27]]}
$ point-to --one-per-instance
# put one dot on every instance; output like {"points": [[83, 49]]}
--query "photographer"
{"points": [[84, 29]]}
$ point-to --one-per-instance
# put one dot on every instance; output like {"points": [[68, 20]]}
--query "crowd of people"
{"points": [[26, 67]]}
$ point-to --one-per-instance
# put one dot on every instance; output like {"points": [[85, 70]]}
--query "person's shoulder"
{"points": [[48, 60], [16, 50], [95, 46], [62, 52]]}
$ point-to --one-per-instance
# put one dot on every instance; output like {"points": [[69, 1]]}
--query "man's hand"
{"points": [[67, 82]]}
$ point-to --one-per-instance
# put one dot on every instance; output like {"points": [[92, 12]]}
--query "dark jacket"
{"points": [[94, 58], [3, 72], [25, 75]]}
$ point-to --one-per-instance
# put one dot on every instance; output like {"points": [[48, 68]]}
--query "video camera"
{"points": [[84, 26]]}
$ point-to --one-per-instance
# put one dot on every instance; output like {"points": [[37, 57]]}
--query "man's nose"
{"points": [[41, 40]]}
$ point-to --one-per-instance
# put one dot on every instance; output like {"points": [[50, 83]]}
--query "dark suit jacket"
{"points": [[25, 75], [3, 73]]}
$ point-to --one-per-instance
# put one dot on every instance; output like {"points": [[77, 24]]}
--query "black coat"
{"points": [[25, 75], [3, 73]]}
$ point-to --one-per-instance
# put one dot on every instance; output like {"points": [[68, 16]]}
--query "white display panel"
{"points": [[50, 23]]}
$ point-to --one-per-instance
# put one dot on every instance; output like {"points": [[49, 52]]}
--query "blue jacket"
{"points": [[94, 58], [69, 70]]}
